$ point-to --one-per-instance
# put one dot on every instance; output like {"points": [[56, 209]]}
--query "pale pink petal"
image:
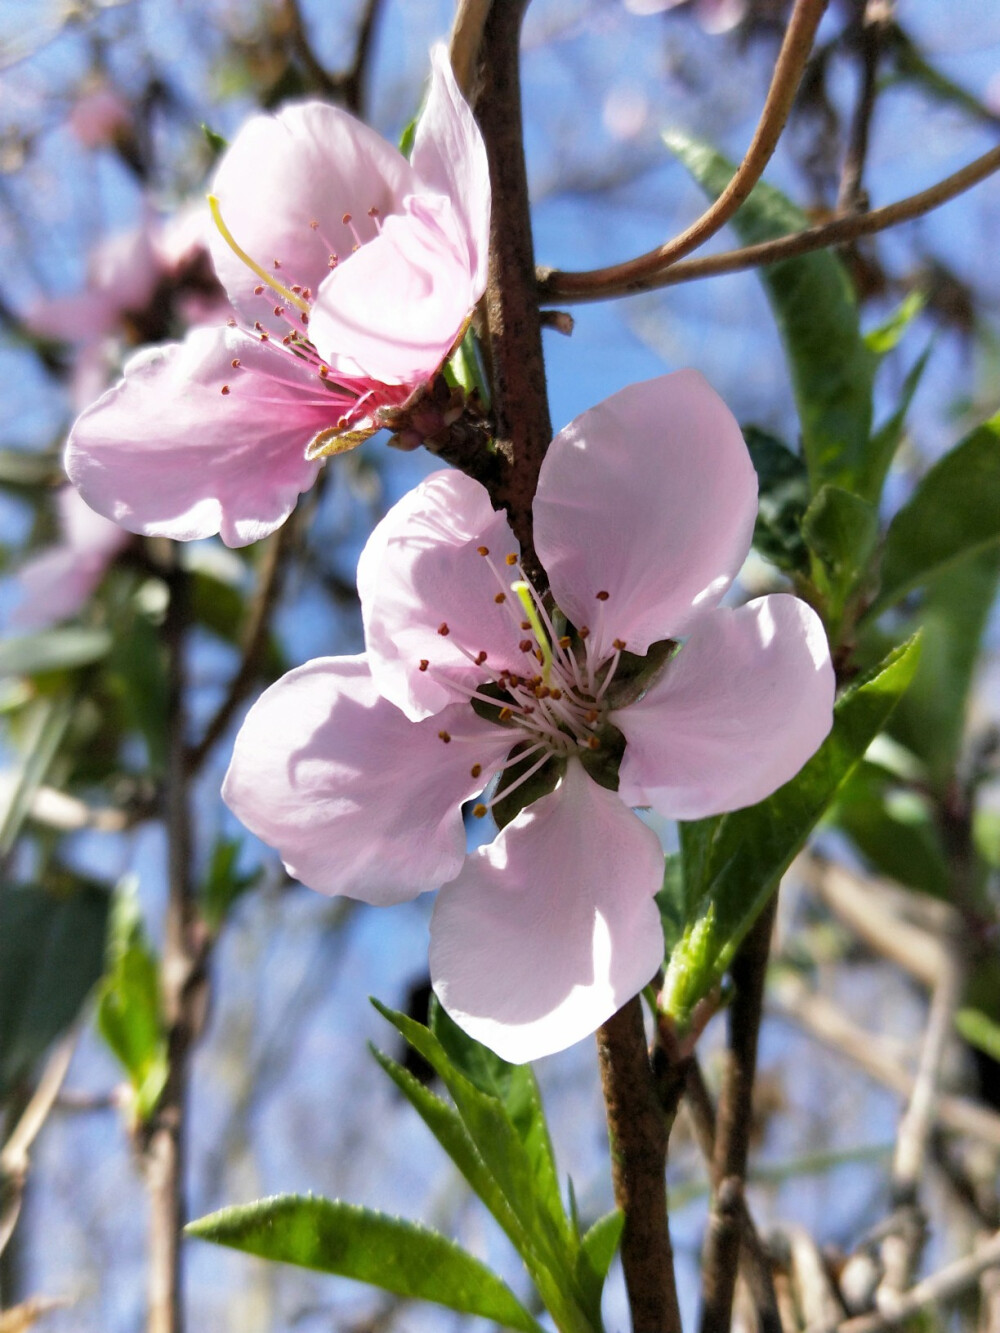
{"points": [[421, 573], [548, 931], [84, 318], [651, 498], [398, 305], [449, 156], [310, 163], [747, 700], [167, 453], [55, 585], [84, 529], [357, 799], [98, 116]]}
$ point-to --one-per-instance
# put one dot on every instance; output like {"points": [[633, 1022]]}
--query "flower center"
{"points": [[557, 707]]}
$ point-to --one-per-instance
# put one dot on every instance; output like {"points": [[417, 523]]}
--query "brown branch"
{"points": [[874, 18], [838, 232], [347, 87], [735, 1117], [514, 337], [792, 57], [254, 642], [755, 1264], [638, 1132]]}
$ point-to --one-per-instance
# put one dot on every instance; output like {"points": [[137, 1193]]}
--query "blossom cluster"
{"points": [[560, 708]]}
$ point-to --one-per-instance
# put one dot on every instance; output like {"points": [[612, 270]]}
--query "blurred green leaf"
{"points": [[887, 438], [407, 137], [130, 1011], [217, 145], [45, 722], [671, 901], [22, 469], [224, 883], [221, 608], [894, 830], [979, 1030], [842, 530], [51, 956], [952, 616], [734, 862], [887, 335], [783, 497], [954, 511], [53, 650], [813, 300], [386, 1252], [137, 674]]}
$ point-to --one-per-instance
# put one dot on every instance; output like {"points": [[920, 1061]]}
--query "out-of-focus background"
{"points": [[103, 162]]}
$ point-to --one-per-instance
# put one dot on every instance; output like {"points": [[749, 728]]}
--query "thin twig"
{"points": [[901, 1247], [875, 16], [254, 642], [791, 62], [184, 986], [942, 1286], [877, 1057], [15, 1157], [466, 35], [755, 1264], [838, 232], [735, 1116], [638, 1132]]}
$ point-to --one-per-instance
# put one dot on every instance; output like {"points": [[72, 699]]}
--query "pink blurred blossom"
{"points": [[352, 273], [356, 768], [98, 116], [57, 583]]}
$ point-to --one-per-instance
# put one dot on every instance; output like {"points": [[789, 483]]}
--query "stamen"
{"points": [[424, 664], [240, 253], [443, 629], [602, 596], [445, 736], [224, 389]]}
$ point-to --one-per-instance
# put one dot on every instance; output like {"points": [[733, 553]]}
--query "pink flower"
{"points": [[57, 583], [99, 116], [352, 272], [355, 768]]}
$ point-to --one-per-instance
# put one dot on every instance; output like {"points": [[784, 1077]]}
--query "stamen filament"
{"points": [[291, 297], [522, 591]]}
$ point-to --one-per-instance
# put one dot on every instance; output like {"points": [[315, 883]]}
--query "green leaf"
{"points": [[671, 901], [597, 1248], [887, 438], [217, 145], [547, 1241], [21, 469], [783, 497], [894, 829], [53, 650], [813, 301], [129, 1011], [952, 616], [224, 883], [386, 1252], [51, 955], [954, 512], [980, 1031], [407, 137], [46, 721], [738, 859], [842, 530], [137, 676], [887, 336]]}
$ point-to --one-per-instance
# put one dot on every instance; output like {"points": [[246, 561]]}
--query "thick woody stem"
{"points": [[638, 1131], [520, 401], [732, 1139]]}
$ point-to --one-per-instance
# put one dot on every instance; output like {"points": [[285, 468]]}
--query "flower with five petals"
{"points": [[629, 686], [352, 273]]}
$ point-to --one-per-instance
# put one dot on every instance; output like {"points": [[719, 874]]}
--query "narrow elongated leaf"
{"points": [[887, 438], [598, 1247], [782, 499], [894, 831], [979, 1030], [51, 955], [952, 616], [842, 530], [129, 1012], [954, 512], [831, 365], [740, 857], [387, 1252], [46, 725], [53, 650]]}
